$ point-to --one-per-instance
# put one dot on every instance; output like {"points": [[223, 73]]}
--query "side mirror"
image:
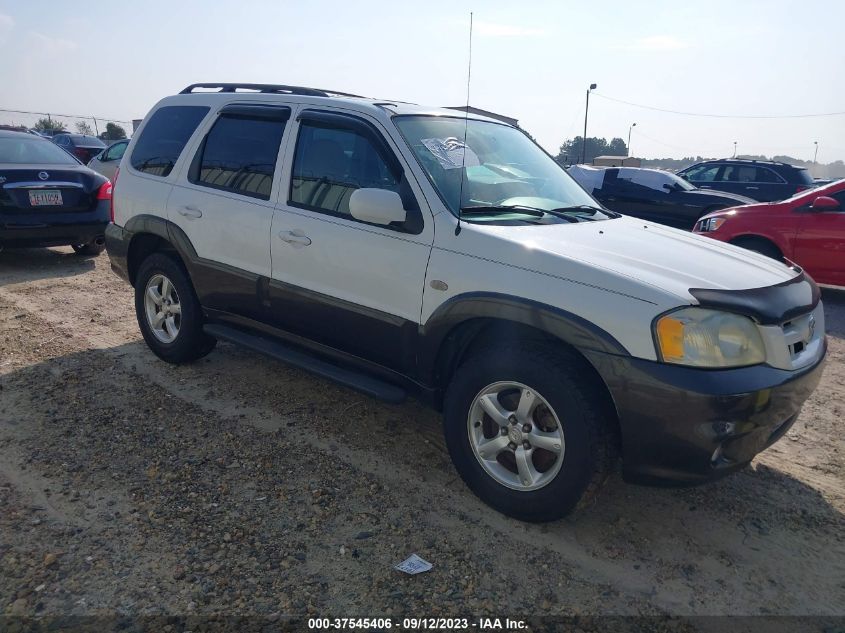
{"points": [[378, 206], [825, 203]]}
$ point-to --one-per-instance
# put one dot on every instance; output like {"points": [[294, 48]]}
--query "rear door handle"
{"points": [[704, 187], [295, 238], [754, 188], [190, 211]]}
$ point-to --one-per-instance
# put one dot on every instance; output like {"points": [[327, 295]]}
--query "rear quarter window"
{"points": [[164, 137]]}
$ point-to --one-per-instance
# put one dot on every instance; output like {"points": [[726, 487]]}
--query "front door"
{"points": [[820, 243], [353, 286]]}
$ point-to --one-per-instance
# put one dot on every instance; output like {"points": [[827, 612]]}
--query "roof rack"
{"points": [[266, 88], [757, 160]]}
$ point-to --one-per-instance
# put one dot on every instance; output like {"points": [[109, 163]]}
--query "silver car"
{"points": [[107, 161]]}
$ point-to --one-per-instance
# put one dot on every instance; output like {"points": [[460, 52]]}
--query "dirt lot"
{"points": [[240, 485]]}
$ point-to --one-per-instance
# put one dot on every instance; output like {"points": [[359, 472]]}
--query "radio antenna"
{"points": [[466, 125]]}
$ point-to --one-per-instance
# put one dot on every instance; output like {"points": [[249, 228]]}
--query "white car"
{"points": [[107, 161], [367, 242]]}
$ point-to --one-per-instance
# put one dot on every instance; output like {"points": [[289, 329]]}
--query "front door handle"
{"points": [[190, 211], [752, 188], [295, 238]]}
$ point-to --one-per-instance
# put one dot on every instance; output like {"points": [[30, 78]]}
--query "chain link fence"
{"points": [[74, 123]]}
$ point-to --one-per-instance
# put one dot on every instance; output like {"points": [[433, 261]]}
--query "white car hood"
{"points": [[634, 257]]}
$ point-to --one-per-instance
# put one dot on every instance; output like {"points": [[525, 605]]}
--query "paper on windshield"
{"points": [[449, 152]]}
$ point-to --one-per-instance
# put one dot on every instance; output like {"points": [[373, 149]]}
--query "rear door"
{"points": [[353, 286], [820, 243], [224, 202], [735, 179], [754, 181]]}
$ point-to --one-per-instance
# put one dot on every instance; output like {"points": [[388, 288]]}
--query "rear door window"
{"points": [[239, 155], [164, 137], [767, 176]]}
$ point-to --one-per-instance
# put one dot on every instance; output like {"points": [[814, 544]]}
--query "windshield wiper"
{"points": [[498, 209], [579, 210]]}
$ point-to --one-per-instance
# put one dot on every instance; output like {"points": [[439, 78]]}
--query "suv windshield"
{"points": [[502, 170]]}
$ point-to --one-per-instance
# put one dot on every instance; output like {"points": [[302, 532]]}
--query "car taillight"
{"points": [[104, 192], [111, 194]]}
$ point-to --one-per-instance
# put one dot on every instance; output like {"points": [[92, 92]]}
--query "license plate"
{"points": [[45, 198]]}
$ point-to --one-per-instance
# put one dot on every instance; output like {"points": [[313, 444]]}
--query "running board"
{"points": [[275, 349]]}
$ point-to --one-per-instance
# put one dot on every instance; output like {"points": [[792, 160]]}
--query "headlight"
{"points": [[711, 224], [708, 338]]}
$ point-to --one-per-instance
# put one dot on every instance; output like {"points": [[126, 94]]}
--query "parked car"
{"points": [[47, 198], [366, 242], [48, 133], [808, 229], [762, 180], [652, 194], [82, 146], [107, 161]]}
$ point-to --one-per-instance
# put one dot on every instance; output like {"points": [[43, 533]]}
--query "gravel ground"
{"points": [[238, 485]]}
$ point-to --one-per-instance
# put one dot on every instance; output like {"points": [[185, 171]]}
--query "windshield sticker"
{"points": [[449, 152]]}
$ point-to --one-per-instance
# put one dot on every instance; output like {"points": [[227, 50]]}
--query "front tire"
{"points": [[527, 430], [168, 311]]}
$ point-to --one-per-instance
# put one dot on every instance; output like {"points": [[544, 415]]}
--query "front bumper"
{"points": [[57, 228], [683, 426]]}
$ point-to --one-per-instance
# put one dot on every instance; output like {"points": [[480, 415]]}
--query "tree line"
{"points": [[113, 131], [570, 153]]}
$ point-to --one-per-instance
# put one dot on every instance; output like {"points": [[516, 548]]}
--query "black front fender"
{"points": [[475, 306]]}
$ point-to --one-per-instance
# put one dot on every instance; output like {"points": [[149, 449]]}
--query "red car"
{"points": [[808, 229]]}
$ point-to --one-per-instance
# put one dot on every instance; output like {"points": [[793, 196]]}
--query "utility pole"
{"points": [[734, 149], [816, 154], [586, 112], [633, 125]]}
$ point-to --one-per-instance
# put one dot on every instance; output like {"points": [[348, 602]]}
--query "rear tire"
{"points": [[560, 473], [759, 245], [89, 248], [168, 311]]}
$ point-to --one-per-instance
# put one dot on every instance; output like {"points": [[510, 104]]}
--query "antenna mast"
{"points": [[466, 125]]}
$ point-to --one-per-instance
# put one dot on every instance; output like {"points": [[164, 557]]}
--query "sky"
{"points": [[531, 60]]}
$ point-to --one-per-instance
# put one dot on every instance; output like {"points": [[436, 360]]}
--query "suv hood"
{"points": [[632, 257]]}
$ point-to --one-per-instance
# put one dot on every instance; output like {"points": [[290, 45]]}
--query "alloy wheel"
{"points": [[516, 435], [163, 309]]}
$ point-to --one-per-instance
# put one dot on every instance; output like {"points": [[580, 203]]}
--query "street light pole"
{"points": [[633, 125], [816, 154], [734, 149], [586, 111]]}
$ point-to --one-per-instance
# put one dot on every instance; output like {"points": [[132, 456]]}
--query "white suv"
{"points": [[402, 249]]}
